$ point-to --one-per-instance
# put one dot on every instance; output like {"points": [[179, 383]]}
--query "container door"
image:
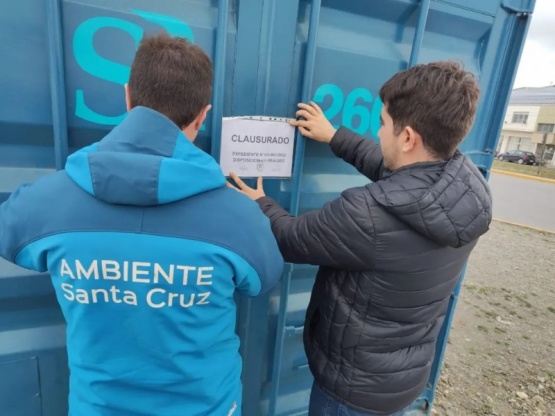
{"points": [[340, 55]]}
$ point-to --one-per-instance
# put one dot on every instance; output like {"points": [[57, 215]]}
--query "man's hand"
{"points": [[242, 187], [315, 126]]}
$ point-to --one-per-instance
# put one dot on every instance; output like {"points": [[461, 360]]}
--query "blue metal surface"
{"points": [[284, 332], [64, 66], [306, 95], [420, 29], [219, 74], [57, 77], [519, 6], [505, 42], [25, 378]]}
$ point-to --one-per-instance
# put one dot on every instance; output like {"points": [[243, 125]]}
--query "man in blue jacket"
{"points": [[391, 252], [146, 247]]}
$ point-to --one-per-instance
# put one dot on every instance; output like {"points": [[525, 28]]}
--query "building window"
{"points": [[520, 143], [545, 128], [520, 118]]}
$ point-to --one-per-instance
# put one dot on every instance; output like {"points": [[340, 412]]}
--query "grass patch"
{"points": [[544, 172], [523, 300], [551, 309], [526, 337], [491, 314], [482, 328], [486, 290], [471, 287], [500, 330]]}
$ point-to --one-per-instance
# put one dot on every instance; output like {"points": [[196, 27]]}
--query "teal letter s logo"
{"points": [[91, 62]]}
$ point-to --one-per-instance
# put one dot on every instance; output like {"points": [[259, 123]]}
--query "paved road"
{"points": [[523, 201]]}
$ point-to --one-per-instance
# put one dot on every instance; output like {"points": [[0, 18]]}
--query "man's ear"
{"points": [[410, 139], [127, 97], [197, 123]]}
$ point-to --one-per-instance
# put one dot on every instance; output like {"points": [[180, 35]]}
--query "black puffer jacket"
{"points": [[390, 254]]}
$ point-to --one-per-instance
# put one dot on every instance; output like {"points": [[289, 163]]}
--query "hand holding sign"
{"points": [[242, 187]]}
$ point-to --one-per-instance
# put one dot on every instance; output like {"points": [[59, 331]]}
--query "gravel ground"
{"points": [[500, 359]]}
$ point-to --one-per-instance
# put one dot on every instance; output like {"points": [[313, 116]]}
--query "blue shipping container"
{"points": [[64, 63]]}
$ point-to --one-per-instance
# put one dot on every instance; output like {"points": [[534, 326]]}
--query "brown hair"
{"points": [[438, 100], [172, 76]]}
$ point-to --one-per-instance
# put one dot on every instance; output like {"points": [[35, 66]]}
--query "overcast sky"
{"points": [[537, 64]]}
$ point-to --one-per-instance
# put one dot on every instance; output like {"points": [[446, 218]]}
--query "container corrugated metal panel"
{"points": [[63, 67]]}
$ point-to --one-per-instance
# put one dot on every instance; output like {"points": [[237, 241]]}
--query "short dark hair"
{"points": [[438, 100], [172, 76]]}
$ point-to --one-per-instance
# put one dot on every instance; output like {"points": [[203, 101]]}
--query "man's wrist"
{"points": [[334, 136], [330, 136]]}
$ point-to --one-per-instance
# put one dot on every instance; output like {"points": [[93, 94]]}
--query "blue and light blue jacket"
{"points": [[146, 248]]}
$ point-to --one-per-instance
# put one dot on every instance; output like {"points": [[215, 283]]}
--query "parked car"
{"points": [[519, 156]]}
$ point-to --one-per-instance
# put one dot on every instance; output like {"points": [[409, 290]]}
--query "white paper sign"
{"points": [[257, 146]]}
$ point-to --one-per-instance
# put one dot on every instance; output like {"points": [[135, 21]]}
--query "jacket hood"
{"points": [[146, 160], [448, 202]]}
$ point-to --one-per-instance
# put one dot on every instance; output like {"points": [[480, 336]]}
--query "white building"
{"points": [[530, 123]]}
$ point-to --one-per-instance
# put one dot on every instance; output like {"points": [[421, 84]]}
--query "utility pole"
{"points": [[544, 141]]}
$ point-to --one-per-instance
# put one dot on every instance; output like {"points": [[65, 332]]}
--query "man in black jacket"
{"points": [[391, 252]]}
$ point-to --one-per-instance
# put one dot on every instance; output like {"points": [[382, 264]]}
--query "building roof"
{"points": [[533, 96]]}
